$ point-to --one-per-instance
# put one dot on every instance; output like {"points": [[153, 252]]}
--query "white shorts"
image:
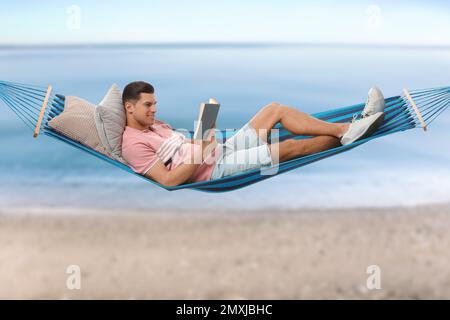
{"points": [[244, 151]]}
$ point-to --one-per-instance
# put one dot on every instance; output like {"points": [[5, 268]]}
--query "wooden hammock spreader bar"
{"points": [[41, 114], [416, 110]]}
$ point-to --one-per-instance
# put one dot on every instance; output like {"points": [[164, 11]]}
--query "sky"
{"points": [[358, 22]]}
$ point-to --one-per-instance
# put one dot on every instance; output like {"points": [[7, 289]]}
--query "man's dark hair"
{"points": [[133, 90]]}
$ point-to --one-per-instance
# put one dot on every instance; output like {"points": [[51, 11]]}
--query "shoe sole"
{"points": [[370, 130]]}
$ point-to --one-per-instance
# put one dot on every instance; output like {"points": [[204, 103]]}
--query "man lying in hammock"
{"points": [[156, 151]]}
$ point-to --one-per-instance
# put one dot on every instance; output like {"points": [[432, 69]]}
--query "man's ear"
{"points": [[128, 107]]}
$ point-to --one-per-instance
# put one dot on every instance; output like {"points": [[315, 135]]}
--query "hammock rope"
{"points": [[26, 101]]}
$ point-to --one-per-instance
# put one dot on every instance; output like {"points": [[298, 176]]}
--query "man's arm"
{"points": [[178, 175], [170, 178]]}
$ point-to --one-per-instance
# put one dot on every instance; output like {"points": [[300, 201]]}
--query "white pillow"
{"points": [[110, 120], [77, 122]]}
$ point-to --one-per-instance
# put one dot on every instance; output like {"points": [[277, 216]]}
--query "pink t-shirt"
{"points": [[143, 148]]}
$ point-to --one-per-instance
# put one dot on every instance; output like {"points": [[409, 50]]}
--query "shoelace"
{"points": [[358, 116], [362, 115]]}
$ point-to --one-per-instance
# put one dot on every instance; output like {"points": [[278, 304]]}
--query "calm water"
{"points": [[403, 169]]}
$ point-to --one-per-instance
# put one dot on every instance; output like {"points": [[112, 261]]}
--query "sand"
{"points": [[306, 254]]}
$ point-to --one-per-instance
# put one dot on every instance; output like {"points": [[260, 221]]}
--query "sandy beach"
{"points": [[308, 254]]}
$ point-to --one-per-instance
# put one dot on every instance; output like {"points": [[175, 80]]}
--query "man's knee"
{"points": [[274, 109], [273, 106], [277, 109]]}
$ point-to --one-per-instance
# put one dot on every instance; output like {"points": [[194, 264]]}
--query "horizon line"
{"points": [[212, 45]]}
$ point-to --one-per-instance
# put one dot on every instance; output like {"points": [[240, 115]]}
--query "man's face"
{"points": [[143, 110]]}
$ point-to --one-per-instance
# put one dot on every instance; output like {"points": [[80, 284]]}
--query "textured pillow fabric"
{"points": [[110, 120], [77, 123]]}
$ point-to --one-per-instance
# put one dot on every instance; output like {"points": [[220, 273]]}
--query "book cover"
{"points": [[206, 119]]}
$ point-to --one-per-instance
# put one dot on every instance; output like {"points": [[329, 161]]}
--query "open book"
{"points": [[206, 119]]}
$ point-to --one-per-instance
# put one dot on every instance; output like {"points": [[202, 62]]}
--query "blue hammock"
{"points": [[35, 106]]}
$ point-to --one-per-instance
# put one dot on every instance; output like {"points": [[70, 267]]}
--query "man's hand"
{"points": [[207, 145]]}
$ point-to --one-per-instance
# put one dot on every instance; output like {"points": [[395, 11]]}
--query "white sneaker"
{"points": [[362, 128], [374, 103]]}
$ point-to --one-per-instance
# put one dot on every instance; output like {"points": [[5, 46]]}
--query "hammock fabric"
{"points": [[35, 106]]}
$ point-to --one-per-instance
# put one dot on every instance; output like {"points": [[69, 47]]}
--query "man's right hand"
{"points": [[206, 145]]}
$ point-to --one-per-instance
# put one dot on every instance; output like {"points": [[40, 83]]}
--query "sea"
{"points": [[404, 169]]}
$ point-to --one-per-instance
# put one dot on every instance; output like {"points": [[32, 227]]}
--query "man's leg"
{"points": [[292, 148], [295, 121]]}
